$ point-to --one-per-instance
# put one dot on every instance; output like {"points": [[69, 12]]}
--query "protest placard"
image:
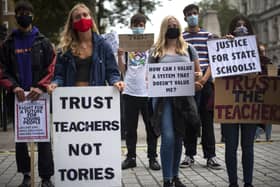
{"points": [[86, 136], [170, 79], [32, 120], [136, 42], [233, 56], [247, 99], [113, 39]]}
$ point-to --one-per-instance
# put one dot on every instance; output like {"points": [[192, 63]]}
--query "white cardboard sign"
{"points": [[86, 136], [32, 120], [171, 79], [233, 56]]}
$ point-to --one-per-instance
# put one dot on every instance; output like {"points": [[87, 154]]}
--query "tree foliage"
{"points": [[225, 12], [50, 16]]}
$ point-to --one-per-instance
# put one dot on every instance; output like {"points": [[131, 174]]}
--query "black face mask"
{"points": [[24, 20], [172, 33]]}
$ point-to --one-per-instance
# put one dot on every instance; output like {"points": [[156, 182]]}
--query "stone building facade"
{"points": [[7, 13], [265, 18]]}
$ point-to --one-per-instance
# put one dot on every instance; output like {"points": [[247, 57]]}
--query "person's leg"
{"points": [[22, 158], [247, 144], [45, 163], [131, 112], [268, 129], [131, 122], [197, 98], [208, 137], [206, 116], [190, 142], [167, 142], [231, 132], [23, 163], [177, 157], [123, 128], [222, 134], [151, 138], [177, 154], [45, 160]]}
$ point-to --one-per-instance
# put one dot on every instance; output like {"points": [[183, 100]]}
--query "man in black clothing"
{"points": [[27, 59]]}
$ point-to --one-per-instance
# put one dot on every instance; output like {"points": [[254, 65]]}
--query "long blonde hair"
{"points": [[69, 37], [161, 42]]}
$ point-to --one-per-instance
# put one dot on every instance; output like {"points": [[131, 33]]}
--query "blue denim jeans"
{"points": [[231, 133], [267, 130], [171, 144]]}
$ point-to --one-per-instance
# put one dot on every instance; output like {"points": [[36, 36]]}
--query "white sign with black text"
{"points": [[171, 79], [233, 56], [86, 136], [113, 39], [32, 120]]}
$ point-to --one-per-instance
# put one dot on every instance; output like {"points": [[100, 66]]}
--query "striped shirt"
{"points": [[199, 41]]}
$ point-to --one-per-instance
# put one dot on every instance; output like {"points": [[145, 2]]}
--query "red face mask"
{"points": [[82, 25]]}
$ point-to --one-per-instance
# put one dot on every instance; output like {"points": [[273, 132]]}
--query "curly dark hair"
{"points": [[234, 21]]}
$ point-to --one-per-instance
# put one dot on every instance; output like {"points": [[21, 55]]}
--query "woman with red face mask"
{"points": [[85, 59]]}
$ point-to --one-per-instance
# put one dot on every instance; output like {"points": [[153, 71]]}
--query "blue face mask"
{"points": [[192, 20], [240, 31], [137, 30]]}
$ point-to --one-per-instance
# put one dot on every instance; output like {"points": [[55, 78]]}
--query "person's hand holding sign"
{"points": [[51, 87], [19, 92], [34, 94], [198, 81], [119, 85]]}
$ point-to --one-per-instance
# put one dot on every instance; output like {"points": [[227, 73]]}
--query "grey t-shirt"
{"points": [[178, 58]]}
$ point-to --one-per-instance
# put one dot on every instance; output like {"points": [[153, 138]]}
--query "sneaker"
{"points": [[168, 183], [46, 183], [248, 185], [178, 183], [26, 182], [187, 162], [213, 164], [153, 164], [129, 163]]}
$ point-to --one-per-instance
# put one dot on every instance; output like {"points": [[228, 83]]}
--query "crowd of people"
{"points": [[28, 62]]}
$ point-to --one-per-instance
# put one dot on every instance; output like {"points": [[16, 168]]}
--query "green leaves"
{"points": [[50, 16]]}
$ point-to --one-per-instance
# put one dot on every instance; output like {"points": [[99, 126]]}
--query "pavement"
{"points": [[266, 168]]}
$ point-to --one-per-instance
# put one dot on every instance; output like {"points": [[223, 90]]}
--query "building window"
{"points": [[6, 24], [5, 6], [275, 29]]}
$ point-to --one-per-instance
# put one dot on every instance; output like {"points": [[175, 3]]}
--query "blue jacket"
{"points": [[103, 69]]}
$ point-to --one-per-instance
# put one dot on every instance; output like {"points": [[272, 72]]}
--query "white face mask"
{"points": [[137, 30], [240, 31], [192, 20]]}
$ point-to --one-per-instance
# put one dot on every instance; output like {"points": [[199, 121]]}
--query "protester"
{"points": [[267, 128], [170, 114], [85, 59], [133, 65], [198, 38], [239, 26], [28, 59]]}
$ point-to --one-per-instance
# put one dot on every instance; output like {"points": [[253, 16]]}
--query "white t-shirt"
{"points": [[136, 74]]}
